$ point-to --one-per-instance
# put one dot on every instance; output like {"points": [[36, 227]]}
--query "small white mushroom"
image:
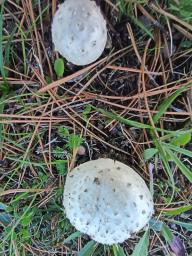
{"points": [[107, 200], [79, 31]]}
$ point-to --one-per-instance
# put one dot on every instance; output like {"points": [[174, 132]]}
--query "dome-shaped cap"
{"points": [[79, 31], [107, 200]]}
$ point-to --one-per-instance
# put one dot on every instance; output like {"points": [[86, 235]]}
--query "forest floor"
{"points": [[134, 105]]}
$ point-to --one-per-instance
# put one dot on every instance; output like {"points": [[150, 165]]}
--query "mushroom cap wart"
{"points": [[79, 31], [107, 200]]}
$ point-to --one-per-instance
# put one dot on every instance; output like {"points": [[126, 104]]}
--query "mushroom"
{"points": [[79, 31], [107, 200]]}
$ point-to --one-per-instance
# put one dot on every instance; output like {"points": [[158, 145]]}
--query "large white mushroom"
{"points": [[79, 31], [107, 200]]}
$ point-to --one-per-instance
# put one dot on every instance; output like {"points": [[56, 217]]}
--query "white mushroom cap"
{"points": [[79, 31], [107, 200]]}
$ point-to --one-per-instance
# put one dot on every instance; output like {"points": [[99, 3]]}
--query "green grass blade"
{"points": [[1, 125], [181, 139], [36, 20], [72, 237], [178, 210], [163, 156], [142, 247], [178, 149], [8, 48], [149, 153], [23, 38], [167, 234], [24, 53], [185, 171], [166, 104], [123, 120], [131, 123], [141, 25], [188, 226], [118, 250], [1, 42], [88, 249]]}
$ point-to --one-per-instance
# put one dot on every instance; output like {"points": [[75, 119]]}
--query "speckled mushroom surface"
{"points": [[107, 200], [79, 31]]}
